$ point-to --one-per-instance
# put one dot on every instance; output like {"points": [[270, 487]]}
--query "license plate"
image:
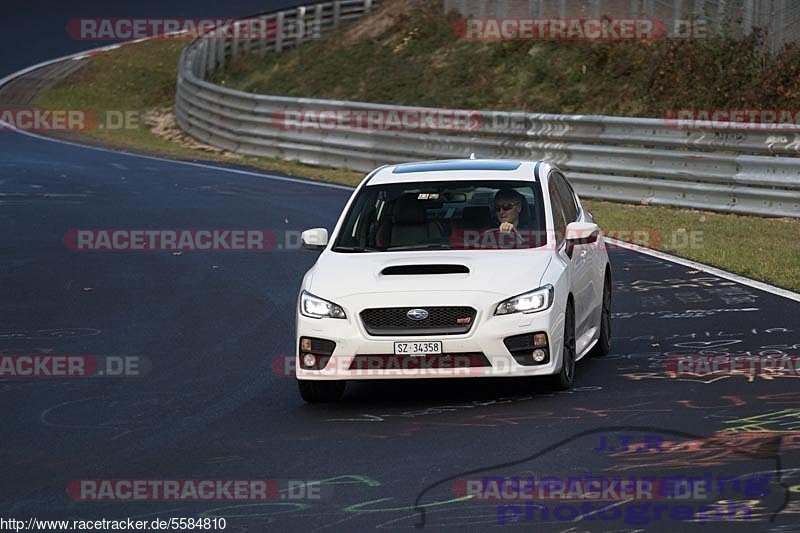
{"points": [[418, 348]]}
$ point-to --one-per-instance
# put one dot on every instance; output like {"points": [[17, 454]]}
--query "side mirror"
{"points": [[582, 233], [314, 239]]}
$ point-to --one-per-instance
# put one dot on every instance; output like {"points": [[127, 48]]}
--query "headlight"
{"points": [[528, 302], [314, 307]]}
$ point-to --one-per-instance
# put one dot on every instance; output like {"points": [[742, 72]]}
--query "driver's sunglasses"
{"points": [[505, 207]]}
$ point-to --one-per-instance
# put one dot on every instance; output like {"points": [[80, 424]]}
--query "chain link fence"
{"points": [[780, 19]]}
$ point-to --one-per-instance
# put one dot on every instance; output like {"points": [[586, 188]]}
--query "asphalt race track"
{"points": [[213, 329], [41, 24]]}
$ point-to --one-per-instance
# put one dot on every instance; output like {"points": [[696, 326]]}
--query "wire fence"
{"points": [[779, 19]]}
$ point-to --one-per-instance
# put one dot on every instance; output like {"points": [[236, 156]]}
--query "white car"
{"points": [[456, 268]]}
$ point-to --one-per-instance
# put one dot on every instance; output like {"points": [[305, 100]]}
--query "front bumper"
{"points": [[482, 344]]}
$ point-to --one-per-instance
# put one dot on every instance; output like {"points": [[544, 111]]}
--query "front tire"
{"points": [[321, 391], [566, 377], [603, 346]]}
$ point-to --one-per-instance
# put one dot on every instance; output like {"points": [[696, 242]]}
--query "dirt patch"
{"points": [[161, 122]]}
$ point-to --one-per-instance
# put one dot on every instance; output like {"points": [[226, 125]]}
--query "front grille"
{"points": [[440, 321]]}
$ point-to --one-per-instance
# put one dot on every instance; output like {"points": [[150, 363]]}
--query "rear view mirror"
{"points": [[314, 239], [456, 197]]}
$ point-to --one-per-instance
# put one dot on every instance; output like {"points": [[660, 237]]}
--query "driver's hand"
{"points": [[505, 227]]}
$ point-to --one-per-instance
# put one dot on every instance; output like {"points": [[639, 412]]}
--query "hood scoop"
{"points": [[421, 270]]}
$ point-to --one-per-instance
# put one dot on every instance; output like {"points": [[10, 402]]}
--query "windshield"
{"points": [[444, 215]]}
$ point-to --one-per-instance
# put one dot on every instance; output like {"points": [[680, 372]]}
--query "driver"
{"points": [[508, 206]]}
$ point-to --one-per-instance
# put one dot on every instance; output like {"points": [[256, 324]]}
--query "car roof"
{"points": [[455, 170]]}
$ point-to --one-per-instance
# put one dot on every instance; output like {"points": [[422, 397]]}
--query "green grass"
{"points": [[455, 74], [413, 57], [137, 77], [142, 77], [760, 248]]}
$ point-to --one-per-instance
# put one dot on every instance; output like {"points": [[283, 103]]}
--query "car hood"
{"points": [[499, 272]]}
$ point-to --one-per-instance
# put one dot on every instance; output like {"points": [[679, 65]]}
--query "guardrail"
{"points": [[642, 160]]}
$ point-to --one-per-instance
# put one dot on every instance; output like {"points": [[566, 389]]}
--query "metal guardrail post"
{"points": [[204, 64], [776, 25], [262, 43], [212, 53], [235, 40], [337, 12], [594, 8], [317, 30], [279, 32], [221, 39], [747, 17], [300, 25]]}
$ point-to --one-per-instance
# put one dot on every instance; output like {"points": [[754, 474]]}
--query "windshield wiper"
{"points": [[354, 249], [433, 246]]}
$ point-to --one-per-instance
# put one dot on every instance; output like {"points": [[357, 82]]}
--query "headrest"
{"points": [[475, 217], [408, 210]]}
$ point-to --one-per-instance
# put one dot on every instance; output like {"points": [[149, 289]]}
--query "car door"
{"points": [[581, 265], [559, 229]]}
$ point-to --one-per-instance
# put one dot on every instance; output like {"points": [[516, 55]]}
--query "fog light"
{"points": [[538, 355], [539, 339], [309, 360], [305, 344]]}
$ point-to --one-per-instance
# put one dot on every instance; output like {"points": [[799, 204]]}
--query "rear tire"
{"points": [[566, 376], [321, 391], [603, 346]]}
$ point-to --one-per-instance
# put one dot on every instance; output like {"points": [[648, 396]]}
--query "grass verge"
{"points": [[408, 53], [142, 77]]}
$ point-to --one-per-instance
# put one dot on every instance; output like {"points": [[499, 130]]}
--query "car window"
{"points": [[566, 196], [443, 215], [559, 216]]}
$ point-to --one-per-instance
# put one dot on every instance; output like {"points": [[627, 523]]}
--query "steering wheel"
{"points": [[501, 240]]}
